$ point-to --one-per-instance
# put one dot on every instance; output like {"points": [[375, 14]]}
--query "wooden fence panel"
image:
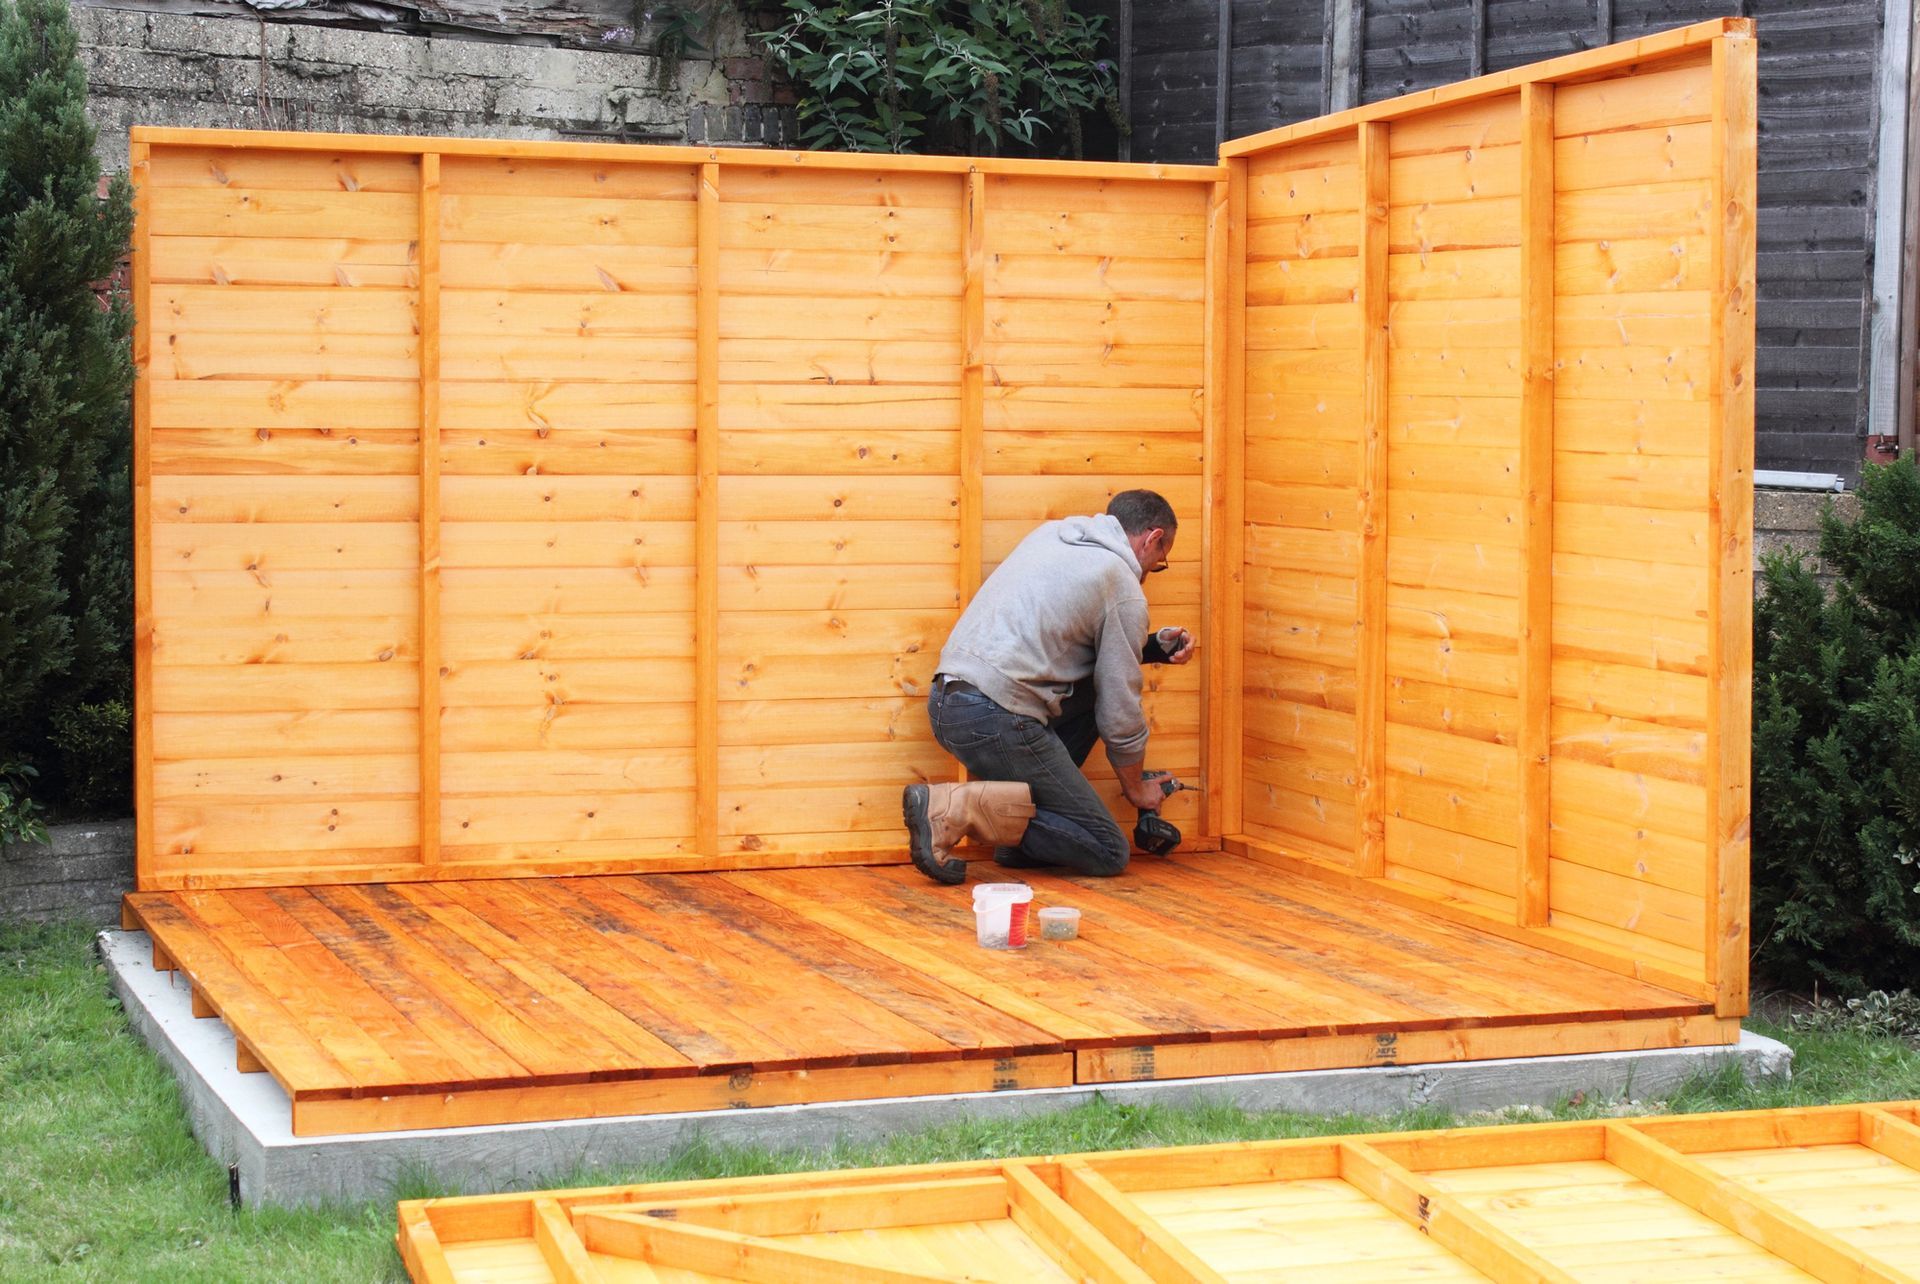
{"points": [[1453, 523], [1303, 470], [1567, 451], [1633, 426], [723, 441], [566, 502], [282, 403], [839, 491], [1093, 383]]}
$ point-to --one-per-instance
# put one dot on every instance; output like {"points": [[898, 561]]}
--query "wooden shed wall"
{"points": [[1820, 68], [1498, 419], [723, 445]]}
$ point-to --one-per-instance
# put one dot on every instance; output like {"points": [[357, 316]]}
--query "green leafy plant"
{"points": [[1877, 1014], [93, 740], [976, 77], [1836, 749], [21, 820], [65, 386]]}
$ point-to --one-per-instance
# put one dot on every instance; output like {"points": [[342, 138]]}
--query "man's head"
{"points": [[1150, 525]]}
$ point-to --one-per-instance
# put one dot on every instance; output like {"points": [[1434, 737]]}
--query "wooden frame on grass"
{"points": [[1739, 1191]]}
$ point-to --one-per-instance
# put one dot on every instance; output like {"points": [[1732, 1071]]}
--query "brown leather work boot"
{"points": [[995, 812]]}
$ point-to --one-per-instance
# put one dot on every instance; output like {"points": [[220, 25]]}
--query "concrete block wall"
{"points": [[80, 875], [149, 67]]}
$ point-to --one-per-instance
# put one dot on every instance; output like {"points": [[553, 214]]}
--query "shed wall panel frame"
{"points": [[1499, 443], [718, 443], [1827, 1193]]}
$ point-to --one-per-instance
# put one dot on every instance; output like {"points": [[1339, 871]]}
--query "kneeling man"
{"points": [[1046, 659]]}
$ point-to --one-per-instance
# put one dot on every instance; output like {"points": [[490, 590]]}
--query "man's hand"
{"points": [[1145, 795], [1177, 643]]}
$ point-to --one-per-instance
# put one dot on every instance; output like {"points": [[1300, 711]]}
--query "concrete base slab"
{"points": [[245, 1121]]}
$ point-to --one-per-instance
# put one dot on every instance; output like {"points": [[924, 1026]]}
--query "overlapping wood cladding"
{"points": [[283, 428], [1094, 383], [1568, 434], [708, 486]]}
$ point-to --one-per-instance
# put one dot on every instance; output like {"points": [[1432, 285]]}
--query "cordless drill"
{"points": [[1153, 833]]}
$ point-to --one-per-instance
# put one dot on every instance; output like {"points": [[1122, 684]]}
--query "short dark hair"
{"points": [[1140, 511]]}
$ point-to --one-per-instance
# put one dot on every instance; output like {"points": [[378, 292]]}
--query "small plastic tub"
{"points": [[1059, 923], [1000, 915]]}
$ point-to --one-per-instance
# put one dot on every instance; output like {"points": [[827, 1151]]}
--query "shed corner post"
{"points": [[141, 271], [1370, 644], [706, 498], [1532, 900], [1223, 539], [431, 704], [1730, 522]]}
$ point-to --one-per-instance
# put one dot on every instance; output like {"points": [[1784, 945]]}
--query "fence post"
{"points": [[706, 498], [1531, 899], [1731, 237], [141, 268], [430, 702], [1224, 505], [1370, 596]]}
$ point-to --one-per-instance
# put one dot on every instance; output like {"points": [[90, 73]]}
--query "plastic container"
{"points": [[1059, 923], [1000, 915]]}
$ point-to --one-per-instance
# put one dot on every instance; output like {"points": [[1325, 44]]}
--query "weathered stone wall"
{"points": [[153, 67], [82, 874]]}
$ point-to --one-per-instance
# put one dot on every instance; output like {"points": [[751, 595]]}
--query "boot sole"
{"points": [[913, 809]]}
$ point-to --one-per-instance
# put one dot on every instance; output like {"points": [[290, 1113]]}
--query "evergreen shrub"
{"points": [[1836, 749], [973, 77], [65, 384]]}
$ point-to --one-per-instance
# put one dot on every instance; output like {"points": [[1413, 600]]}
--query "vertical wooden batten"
{"points": [[706, 609], [1370, 644], [428, 267], [1224, 483], [973, 340], [141, 265], [1730, 520], [1531, 895]]}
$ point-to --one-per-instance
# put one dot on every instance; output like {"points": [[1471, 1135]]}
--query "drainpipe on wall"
{"points": [[1909, 351], [1893, 285], [1223, 73]]}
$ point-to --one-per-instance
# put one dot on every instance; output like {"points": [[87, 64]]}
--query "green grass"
{"points": [[100, 1178]]}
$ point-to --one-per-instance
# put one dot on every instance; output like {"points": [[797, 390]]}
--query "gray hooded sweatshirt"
{"points": [[1065, 607]]}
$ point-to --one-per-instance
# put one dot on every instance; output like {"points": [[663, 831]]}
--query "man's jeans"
{"points": [[1072, 827]]}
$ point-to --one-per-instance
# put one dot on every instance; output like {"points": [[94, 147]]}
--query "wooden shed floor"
{"points": [[393, 1006]]}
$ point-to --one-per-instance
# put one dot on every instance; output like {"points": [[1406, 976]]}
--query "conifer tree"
{"points": [[1836, 749], [65, 384]]}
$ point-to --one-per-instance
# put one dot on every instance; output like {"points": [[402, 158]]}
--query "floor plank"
{"points": [[503, 992]]}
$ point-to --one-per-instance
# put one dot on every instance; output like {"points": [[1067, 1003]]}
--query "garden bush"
{"points": [[972, 77], [1836, 749], [65, 385]]}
